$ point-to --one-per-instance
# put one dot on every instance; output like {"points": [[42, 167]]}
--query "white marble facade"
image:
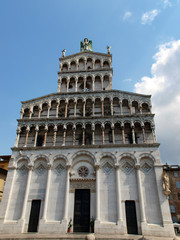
{"points": [[86, 136]]}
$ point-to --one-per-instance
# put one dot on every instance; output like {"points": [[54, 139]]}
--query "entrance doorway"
{"points": [[82, 210], [131, 219], [34, 216]]}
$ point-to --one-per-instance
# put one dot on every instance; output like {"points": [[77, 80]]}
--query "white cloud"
{"points": [[127, 15], [148, 17], [167, 3], [164, 85]]}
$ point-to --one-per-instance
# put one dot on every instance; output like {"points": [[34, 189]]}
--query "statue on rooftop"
{"points": [[108, 50], [86, 45], [63, 52]]}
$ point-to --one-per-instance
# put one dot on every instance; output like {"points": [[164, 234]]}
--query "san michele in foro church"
{"points": [[86, 158]]}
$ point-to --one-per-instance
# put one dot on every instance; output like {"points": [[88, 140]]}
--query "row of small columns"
{"points": [[65, 216], [84, 109], [83, 135], [76, 83], [85, 65]]}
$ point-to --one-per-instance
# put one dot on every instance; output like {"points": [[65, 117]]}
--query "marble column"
{"points": [[118, 195], [140, 194], [27, 135], [48, 111], [30, 167], [154, 135], [64, 137], [97, 194], [14, 169], [83, 137], [123, 135], [59, 85], [102, 84], [144, 136], [67, 85], [45, 136], [102, 134], [133, 135], [102, 108], [74, 136], [112, 110], [18, 131], [76, 65], [66, 109], [22, 112], [36, 135], [30, 113], [84, 85], [75, 106], [93, 83], [120, 105], [113, 135], [55, 135], [140, 109], [39, 112], [66, 202], [84, 108], [47, 193], [57, 108], [93, 109], [76, 83], [130, 108]]}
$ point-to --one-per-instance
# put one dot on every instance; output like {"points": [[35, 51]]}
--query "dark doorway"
{"points": [[34, 216], [82, 210], [131, 219]]}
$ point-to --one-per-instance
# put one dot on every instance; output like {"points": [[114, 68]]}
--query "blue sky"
{"points": [[141, 33]]}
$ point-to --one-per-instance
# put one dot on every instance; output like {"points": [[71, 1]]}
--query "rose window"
{"points": [[83, 171]]}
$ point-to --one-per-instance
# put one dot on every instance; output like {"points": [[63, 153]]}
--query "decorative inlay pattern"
{"points": [[107, 167], [83, 171], [146, 168], [59, 169], [23, 170], [127, 168], [40, 169]]}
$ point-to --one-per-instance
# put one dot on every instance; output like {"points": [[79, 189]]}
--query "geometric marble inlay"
{"points": [[23, 170], [59, 169], [127, 168], [40, 169], [146, 168], [107, 167]]}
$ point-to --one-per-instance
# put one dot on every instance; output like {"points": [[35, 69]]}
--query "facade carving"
{"points": [[86, 146]]}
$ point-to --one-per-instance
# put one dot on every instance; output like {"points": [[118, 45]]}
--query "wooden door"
{"points": [[131, 219], [82, 210], [34, 216]]}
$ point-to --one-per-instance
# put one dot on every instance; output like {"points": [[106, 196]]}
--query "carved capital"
{"points": [[137, 166]]}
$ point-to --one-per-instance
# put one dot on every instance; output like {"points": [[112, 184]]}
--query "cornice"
{"points": [[81, 72], [90, 93], [86, 120], [130, 146]]}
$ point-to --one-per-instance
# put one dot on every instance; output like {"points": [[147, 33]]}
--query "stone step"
{"points": [[34, 236]]}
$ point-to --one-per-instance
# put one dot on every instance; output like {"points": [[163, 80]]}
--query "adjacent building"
{"points": [[4, 161], [174, 198], [86, 152]]}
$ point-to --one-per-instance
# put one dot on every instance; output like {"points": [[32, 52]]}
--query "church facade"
{"points": [[86, 153]]}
